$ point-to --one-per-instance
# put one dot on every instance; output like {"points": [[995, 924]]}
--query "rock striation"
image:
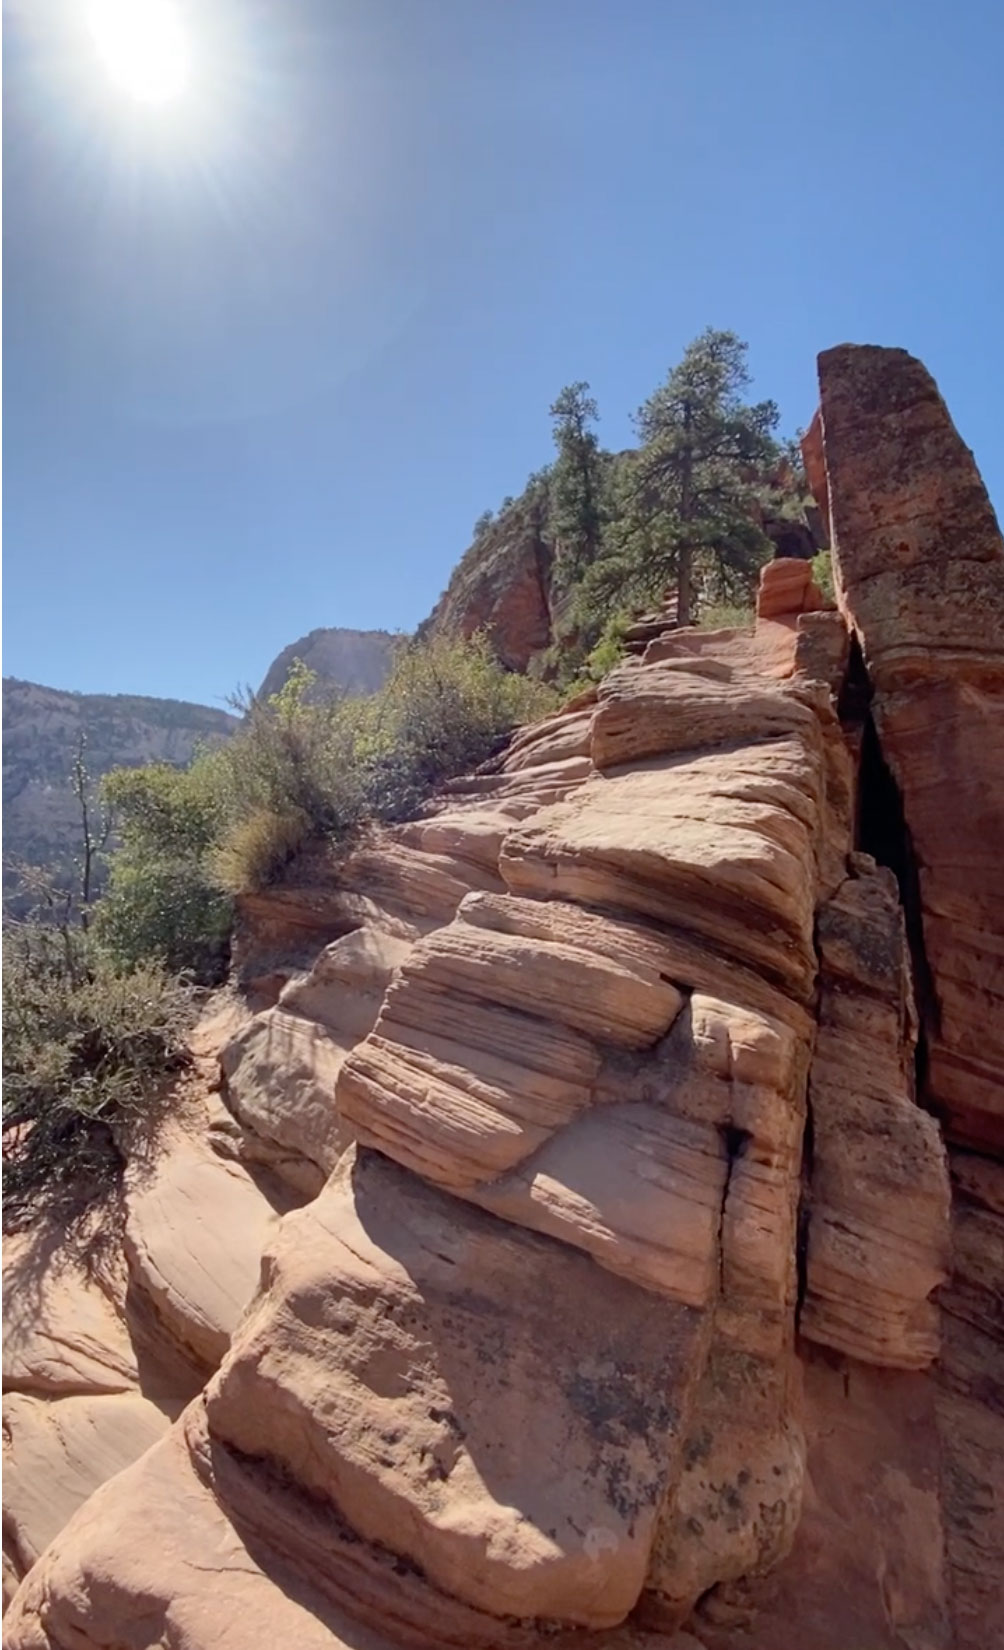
{"points": [[878, 1234], [589, 1267], [787, 588]]}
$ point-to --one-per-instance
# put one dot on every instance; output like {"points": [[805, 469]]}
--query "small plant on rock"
{"points": [[86, 1048]]}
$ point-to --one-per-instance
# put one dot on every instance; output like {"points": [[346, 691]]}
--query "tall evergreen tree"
{"points": [[576, 480], [688, 489]]}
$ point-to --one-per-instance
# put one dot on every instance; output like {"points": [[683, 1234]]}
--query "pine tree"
{"points": [[576, 516], [687, 508]]}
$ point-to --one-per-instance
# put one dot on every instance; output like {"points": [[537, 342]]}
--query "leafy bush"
{"points": [[166, 910], [300, 768], [162, 902], [822, 572], [294, 755], [609, 650], [446, 708], [85, 1049]]}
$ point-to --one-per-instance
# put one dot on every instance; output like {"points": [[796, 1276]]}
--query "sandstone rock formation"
{"points": [[632, 1298], [351, 661], [787, 588], [503, 587], [920, 569], [878, 1236]]}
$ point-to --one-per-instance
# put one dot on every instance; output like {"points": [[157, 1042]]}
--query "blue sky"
{"points": [[269, 350]]}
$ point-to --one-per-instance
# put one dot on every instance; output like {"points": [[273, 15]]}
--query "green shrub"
{"points": [[610, 649], [255, 850], [85, 1050], [293, 756], [446, 708], [168, 810], [726, 616], [300, 769], [822, 572], [162, 903], [166, 910]]}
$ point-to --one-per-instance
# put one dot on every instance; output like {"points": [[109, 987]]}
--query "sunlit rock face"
{"points": [[590, 1269], [920, 564]]}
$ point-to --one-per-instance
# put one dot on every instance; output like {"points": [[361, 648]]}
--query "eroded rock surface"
{"points": [[920, 572], [111, 1329], [514, 1447], [878, 1237], [630, 1303], [547, 1350]]}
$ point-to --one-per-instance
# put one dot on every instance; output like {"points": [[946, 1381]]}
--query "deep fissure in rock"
{"points": [[881, 830], [804, 1209], [735, 1141]]}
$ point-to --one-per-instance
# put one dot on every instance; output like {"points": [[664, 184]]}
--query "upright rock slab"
{"points": [[878, 1236], [919, 565]]}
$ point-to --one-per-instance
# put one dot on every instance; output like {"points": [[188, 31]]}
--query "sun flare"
{"points": [[142, 46]]}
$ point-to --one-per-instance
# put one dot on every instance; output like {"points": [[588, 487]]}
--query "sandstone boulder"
{"points": [[152, 1559], [787, 588], [195, 1229], [279, 1077], [64, 1321], [648, 710], [514, 1447], [720, 845]]}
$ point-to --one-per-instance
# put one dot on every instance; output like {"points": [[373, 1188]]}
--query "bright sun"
{"points": [[142, 45]]}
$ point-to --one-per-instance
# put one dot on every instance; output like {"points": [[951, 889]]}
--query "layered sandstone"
{"points": [[581, 1217], [545, 1354], [787, 588], [878, 1233]]}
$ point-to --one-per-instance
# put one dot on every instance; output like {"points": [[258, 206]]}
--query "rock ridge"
{"points": [[593, 1268]]}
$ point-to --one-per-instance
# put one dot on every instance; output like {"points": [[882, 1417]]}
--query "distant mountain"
{"points": [[41, 735], [357, 661], [42, 728]]}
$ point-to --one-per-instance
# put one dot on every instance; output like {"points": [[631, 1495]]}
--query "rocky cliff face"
{"points": [[503, 586], [355, 661], [42, 731], [922, 584], [509, 584], [579, 1251]]}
